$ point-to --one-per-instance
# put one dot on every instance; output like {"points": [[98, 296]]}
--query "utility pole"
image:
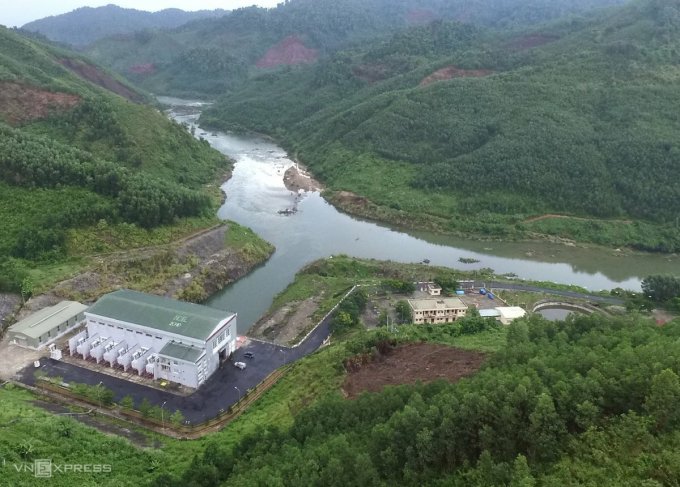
{"points": [[162, 415]]}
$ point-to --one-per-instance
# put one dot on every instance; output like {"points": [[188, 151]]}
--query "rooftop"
{"points": [[165, 314], [182, 352], [39, 323], [490, 313], [436, 303], [511, 312]]}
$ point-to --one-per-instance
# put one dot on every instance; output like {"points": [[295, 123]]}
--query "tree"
{"points": [[663, 399], [127, 402], [342, 321], [521, 474], [26, 288], [661, 288], [447, 283], [177, 418], [145, 408], [404, 313], [545, 430]]}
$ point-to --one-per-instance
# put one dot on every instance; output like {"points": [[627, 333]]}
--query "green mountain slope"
{"points": [[73, 153], [86, 25], [208, 57], [584, 123]]}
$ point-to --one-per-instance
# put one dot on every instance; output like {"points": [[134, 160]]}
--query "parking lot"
{"points": [[222, 390]]}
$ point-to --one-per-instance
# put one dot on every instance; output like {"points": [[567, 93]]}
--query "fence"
{"points": [[192, 431]]}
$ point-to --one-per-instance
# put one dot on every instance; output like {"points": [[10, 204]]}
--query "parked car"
{"points": [[249, 355], [240, 365]]}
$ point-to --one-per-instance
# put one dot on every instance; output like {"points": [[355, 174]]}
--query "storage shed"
{"points": [[44, 326]]}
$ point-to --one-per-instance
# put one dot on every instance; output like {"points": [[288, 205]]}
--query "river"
{"points": [[255, 193]]}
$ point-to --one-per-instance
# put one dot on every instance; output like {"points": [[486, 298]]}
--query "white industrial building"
{"points": [[159, 337]]}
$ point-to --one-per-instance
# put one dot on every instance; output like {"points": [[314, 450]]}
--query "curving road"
{"points": [[508, 286]]}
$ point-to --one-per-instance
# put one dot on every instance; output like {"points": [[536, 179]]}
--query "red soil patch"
{"points": [[420, 16], [289, 51], [408, 364], [527, 42], [94, 75], [22, 103], [145, 68], [451, 72]]}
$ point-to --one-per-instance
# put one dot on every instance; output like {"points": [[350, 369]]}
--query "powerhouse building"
{"points": [[156, 336]]}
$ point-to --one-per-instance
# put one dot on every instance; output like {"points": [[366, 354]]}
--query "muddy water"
{"points": [[255, 195], [556, 314]]}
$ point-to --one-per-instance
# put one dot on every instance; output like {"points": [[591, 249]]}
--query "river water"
{"points": [[255, 193]]}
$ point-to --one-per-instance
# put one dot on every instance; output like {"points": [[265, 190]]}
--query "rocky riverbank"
{"points": [[191, 269]]}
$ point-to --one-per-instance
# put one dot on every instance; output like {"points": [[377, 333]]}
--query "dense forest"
{"points": [[86, 25], [483, 130], [588, 401], [210, 56], [75, 155]]}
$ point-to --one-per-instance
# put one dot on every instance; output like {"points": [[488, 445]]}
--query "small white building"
{"points": [[434, 289], [510, 314], [162, 337], [437, 310], [504, 314]]}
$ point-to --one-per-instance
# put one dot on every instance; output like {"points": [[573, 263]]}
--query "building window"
{"points": [[149, 335]]}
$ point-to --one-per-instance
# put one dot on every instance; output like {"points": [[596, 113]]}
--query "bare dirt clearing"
{"points": [[290, 51], [286, 324], [95, 75], [21, 103], [410, 363], [451, 72]]}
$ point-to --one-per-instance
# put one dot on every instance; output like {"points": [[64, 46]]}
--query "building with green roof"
{"points": [[48, 324], [182, 342]]}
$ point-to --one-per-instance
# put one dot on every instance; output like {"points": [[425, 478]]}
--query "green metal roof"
{"points": [[165, 314], [182, 352], [47, 319]]}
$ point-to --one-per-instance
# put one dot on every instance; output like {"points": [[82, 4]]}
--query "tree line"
{"points": [[534, 409]]}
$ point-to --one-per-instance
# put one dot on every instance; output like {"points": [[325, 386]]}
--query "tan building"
{"points": [[434, 289], [437, 310]]}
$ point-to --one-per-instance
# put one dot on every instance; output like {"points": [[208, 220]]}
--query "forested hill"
{"points": [[74, 154], [482, 132], [86, 25], [210, 56]]}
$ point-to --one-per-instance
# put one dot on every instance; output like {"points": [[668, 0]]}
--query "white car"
{"points": [[240, 365]]}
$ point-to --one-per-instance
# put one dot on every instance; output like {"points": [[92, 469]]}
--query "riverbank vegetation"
{"points": [[87, 169], [567, 120]]}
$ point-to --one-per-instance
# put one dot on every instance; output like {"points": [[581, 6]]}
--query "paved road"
{"points": [[222, 390]]}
